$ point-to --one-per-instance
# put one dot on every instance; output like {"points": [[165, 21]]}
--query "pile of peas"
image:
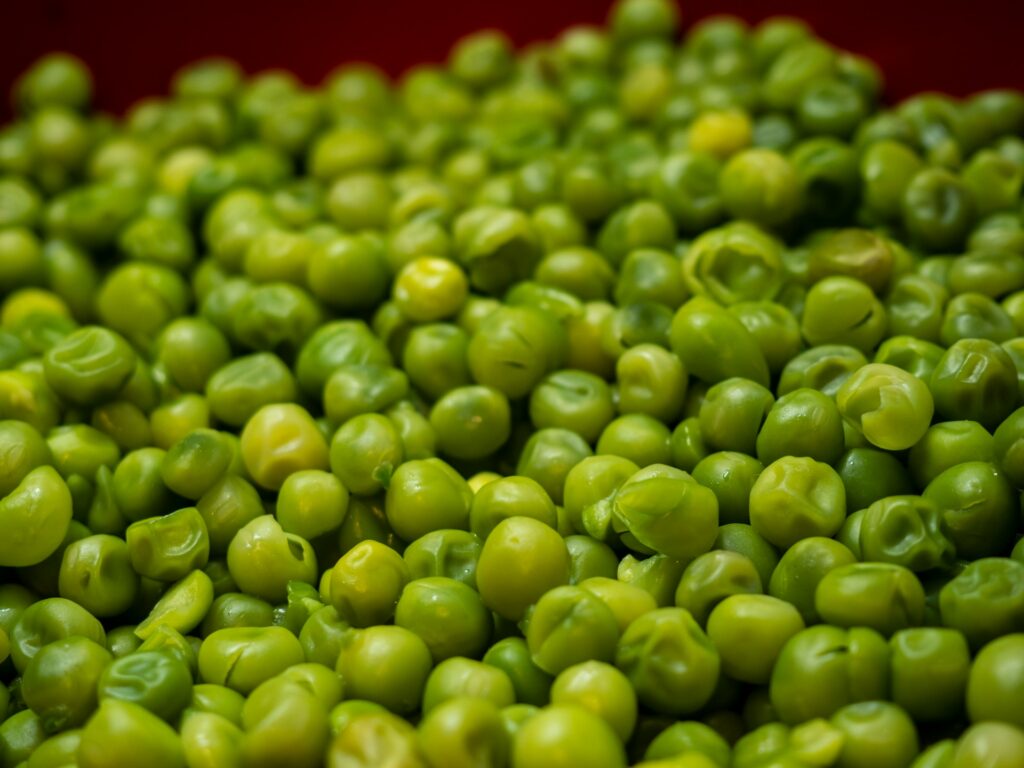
{"points": [[624, 400]]}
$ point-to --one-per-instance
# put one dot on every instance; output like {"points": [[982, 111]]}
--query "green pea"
{"points": [[883, 596], [975, 380], [36, 515], [234, 609], [471, 422], [181, 607], [397, 685], [843, 310], [714, 345], [89, 365], [365, 452], [686, 738], [167, 548], [984, 600], [155, 681], [434, 358], [124, 732], [262, 559], [549, 455], [997, 742], [332, 345], [48, 620], [96, 572], [875, 733], [280, 439], [21, 735], [568, 626], [310, 503], [449, 553], [938, 209], [574, 400], [730, 476], [805, 681], [740, 619], [521, 559], [711, 578], [930, 672], [802, 567], [462, 731], [773, 327], [732, 413], [28, 451], [226, 508], [366, 583], [637, 437], [734, 263], [59, 683], [662, 508], [762, 186], [137, 300], [811, 493], [355, 389], [978, 506], [243, 657], [676, 682], [509, 497]]}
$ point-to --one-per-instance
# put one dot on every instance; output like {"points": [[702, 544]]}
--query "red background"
{"points": [[133, 46]]}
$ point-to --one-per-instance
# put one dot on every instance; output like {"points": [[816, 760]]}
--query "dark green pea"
{"points": [[1007, 447], [855, 253], [730, 476], [168, 548], [824, 368], [342, 342], [418, 438], [574, 400], [156, 681], [985, 601], [366, 520], [801, 569], [803, 422], [979, 507], [831, 107], [929, 672], [549, 456], [227, 507], [869, 475], [530, 683], [773, 327], [744, 540], [48, 620], [448, 553], [975, 380], [687, 444], [974, 315], [938, 209], [275, 317], [947, 444], [138, 486], [234, 609], [915, 356], [881, 595], [471, 422], [59, 684], [714, 345], [124, 422], [711, 578], [915, 307], [805, 682], [991, 273], [828, 173]]}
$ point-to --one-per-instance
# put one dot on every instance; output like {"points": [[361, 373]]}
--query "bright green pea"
{"points": [[797, 497], [36, 515], [310, 503], [662, 508], [843, 310], [366, 583], [365, 452], [280, 439], [509, 497], [471, 422], [875, 733], [570, 625], [740, 620], [521, 559], [397, 684], [181, 607], [890, 406], [262, 559], [682, 678], [803, 422], [773, 327], [448, 615]]}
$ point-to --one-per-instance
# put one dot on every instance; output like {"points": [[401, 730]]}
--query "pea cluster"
{"points": [[625, 400]]}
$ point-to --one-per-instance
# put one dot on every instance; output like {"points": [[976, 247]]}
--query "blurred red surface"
{"points": [[134, 46]]}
